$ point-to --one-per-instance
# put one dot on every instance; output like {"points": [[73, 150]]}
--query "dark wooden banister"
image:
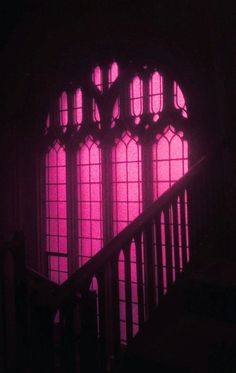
{"points": [[79, 278], [73, 299]]}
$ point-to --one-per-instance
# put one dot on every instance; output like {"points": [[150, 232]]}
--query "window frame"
{"points": [[71, 137]]}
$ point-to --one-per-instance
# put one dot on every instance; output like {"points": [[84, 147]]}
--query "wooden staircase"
{"points": [[194, 329], [185, 308]]}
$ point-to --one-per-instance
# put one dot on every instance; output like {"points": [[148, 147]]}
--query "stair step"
{"points": [[190, 344], [212, 291], [194, 329]]}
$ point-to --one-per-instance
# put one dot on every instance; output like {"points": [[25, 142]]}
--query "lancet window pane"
{"points": [[97, 78], [170, 160], [136, 98], [89, 186], [126, 181], [78, 108], [115, 112], [179, 100], [113, 73], [63, 107], [96, 113], [155, 94], [56, 213]]}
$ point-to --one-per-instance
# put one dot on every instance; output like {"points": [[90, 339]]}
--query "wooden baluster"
{"points": [[183, 227], [176, 235], [2, 321], [88, 338], [139, 268], [128, 294], [192, 220], [115, 307], [42, 343], [159, 256], [149, 269], [102, 306], [168, 246], [9, 310], [68, 345], [104, 279]]}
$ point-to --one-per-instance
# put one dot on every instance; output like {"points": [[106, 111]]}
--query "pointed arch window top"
{"points": [[78, 107], [97, 78], [136, 98], [113, 73], [179, 100], [63, 107], [156, 94]]}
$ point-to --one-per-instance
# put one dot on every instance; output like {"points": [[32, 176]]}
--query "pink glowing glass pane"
{"points": [[63, 109], [127, 181], [113, 73], [97, 78], [136, 97], [78, 109], [55, 203], [56, 209], [116, 109], [89, 186], [170, 160], [156, 93], [58, 268], [179, 100], [96, 113]]}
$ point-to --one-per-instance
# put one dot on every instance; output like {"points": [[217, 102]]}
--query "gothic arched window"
{"points": [[114, 144]]}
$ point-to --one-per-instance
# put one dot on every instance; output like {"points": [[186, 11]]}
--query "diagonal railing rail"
{"points": [[85, 323]]}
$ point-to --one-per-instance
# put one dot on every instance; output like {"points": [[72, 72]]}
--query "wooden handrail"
{"points": [[76, 305], [80, 277]]}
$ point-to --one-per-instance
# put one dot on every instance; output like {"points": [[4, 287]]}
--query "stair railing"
{"points": [[84, 324], [134, 271]]}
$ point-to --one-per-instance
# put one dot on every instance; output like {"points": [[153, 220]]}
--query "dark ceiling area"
{"points": [[44, 41]]}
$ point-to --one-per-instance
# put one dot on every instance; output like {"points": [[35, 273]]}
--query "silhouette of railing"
{"points": [[85, 323]]}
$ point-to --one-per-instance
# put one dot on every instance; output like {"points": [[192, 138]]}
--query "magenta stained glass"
{"points": [[56, 214], [78, 108], [113, 73], [89, 186], [63, 107], [115, 112], [96, 113], [179, 100], [136, 98], [126, 181], [155, 95], [170, 160], [97, 78]]}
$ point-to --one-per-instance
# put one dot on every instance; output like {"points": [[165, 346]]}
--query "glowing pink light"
{"points": [[56, 214], [136, 97], [63, 109], [127, 181], [170, 160], [97, 78], [179, 100], [89, 181], [113, 73], [156, 93], [78, 109], [96, 113]]}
